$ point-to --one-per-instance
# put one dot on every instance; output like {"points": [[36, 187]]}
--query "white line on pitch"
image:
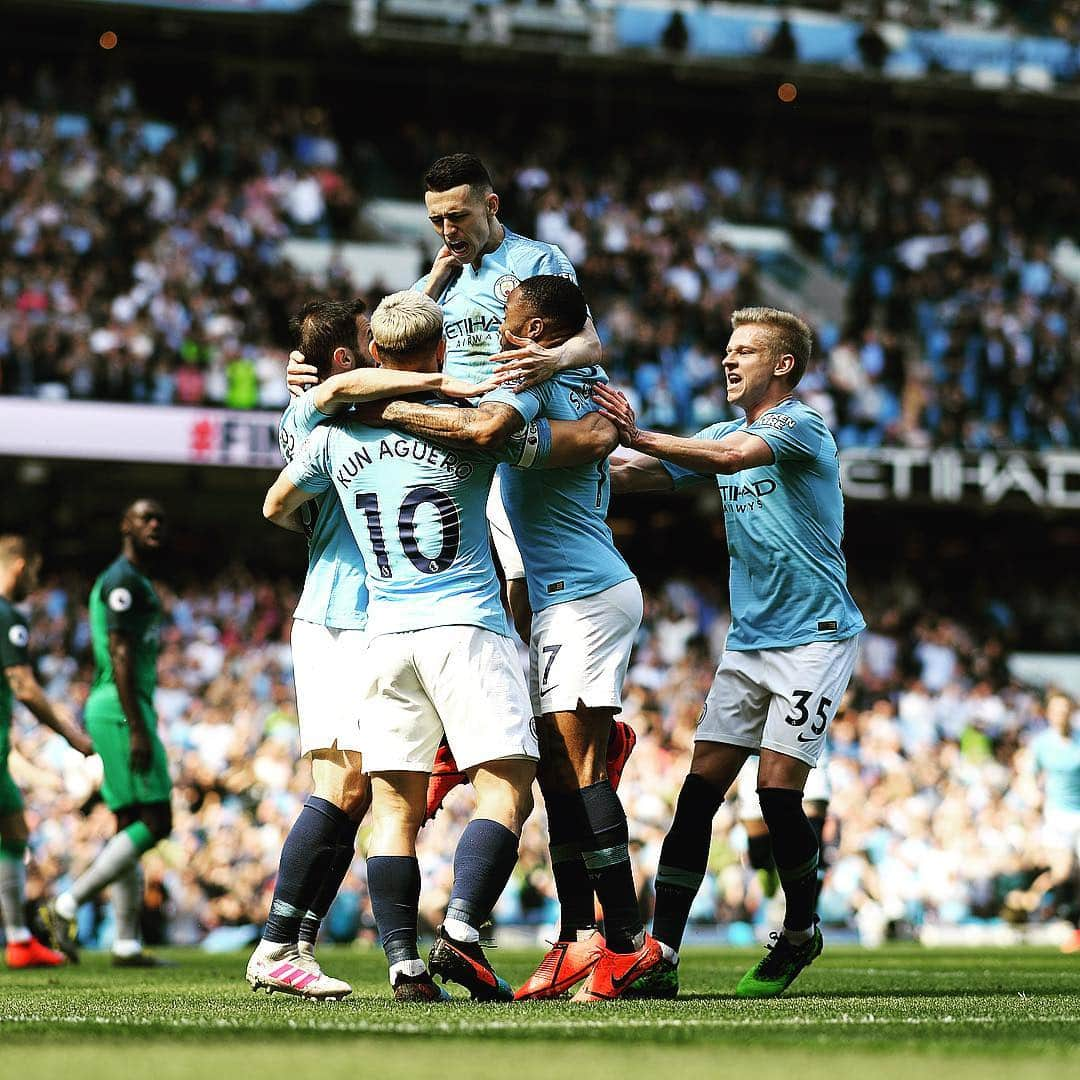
{"points": [[467, 1027]]}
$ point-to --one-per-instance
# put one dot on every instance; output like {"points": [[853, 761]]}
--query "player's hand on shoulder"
{"points": [[614, 405], [527, 365], [300, 375]]}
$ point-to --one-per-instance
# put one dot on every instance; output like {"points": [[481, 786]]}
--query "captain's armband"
{"points": [[531, 446]]}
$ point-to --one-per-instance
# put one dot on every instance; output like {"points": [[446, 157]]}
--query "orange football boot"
{"points": [[32, 954], [564, 965], [614, 973]]}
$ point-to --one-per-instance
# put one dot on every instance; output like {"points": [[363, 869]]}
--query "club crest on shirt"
{"points": [[18, 636], [505, 286], [120, 599]]}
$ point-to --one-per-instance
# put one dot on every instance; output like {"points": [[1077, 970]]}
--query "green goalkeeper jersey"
{"points": [[14, 641], [123, 599]]}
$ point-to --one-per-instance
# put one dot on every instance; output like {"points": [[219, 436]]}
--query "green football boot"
{"points": [[661, 981], [779, 967]]}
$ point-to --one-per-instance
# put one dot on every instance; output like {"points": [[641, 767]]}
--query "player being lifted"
{"points": [[791, 648], [587, 610], [19, 566], [439, 660], [328, 643], [479, 265], [125, 621]]}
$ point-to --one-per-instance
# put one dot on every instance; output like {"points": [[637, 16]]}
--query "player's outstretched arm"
{"points": [[529, 363], [489, 425], [371, 384], [731, 454], [26, 688], [282, 502], [580, 442], [376, 384], [632, 473]]}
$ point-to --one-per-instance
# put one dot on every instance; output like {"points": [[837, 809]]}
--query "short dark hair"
{"points": [[456, 169], [557, 300], [321, 326]]}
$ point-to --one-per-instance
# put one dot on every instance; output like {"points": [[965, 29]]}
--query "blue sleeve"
{"points": [[306, 417], [687, 477], [527, 404], [420, 285], [790, 437], [310, 469], [556, 262]]}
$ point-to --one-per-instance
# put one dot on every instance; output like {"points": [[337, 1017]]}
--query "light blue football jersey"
{"points": [[418, 513], [559, 516], [474, 302], [784, 524], [1059, 759], [335, 593]]}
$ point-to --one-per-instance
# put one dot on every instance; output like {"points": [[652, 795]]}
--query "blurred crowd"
{"points": [[936, 811], [139, 261]]}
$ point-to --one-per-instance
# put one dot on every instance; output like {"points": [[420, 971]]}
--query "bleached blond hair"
{"points": [[405, 323], [788, 333]]}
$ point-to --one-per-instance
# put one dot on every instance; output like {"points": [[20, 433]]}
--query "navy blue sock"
{"points": [[795, 848], [684, 858], [817, 823], [335, 875], [394, 885], [306, 856], [577, 911], [483, 862], [605, 850]]}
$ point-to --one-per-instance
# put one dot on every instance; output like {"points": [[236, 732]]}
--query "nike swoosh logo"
{"points": [[619, 982], [548, 689], [813, 738]]}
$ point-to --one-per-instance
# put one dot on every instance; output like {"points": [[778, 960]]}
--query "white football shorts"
{"points": [[463, 682], [1061, 829], [502, 536], [580, 650], [325, 663], [817, 789], [778, 699]]}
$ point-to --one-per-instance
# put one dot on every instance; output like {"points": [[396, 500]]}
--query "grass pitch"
{"points": [[879, 1014]]}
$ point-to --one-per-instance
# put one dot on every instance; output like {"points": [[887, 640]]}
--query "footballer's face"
{"points": [[515, 321], [363, 341], [144, 524], [1059, 713], [751, 364], [465, 219]]}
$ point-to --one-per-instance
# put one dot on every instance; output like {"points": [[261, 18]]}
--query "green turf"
{"points": [[876, 1014]]}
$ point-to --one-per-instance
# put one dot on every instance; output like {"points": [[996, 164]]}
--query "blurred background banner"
{"points": [[176, 179]]}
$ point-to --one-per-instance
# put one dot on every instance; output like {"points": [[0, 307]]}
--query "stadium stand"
{"points": [[931, 772], [142, 266]]}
